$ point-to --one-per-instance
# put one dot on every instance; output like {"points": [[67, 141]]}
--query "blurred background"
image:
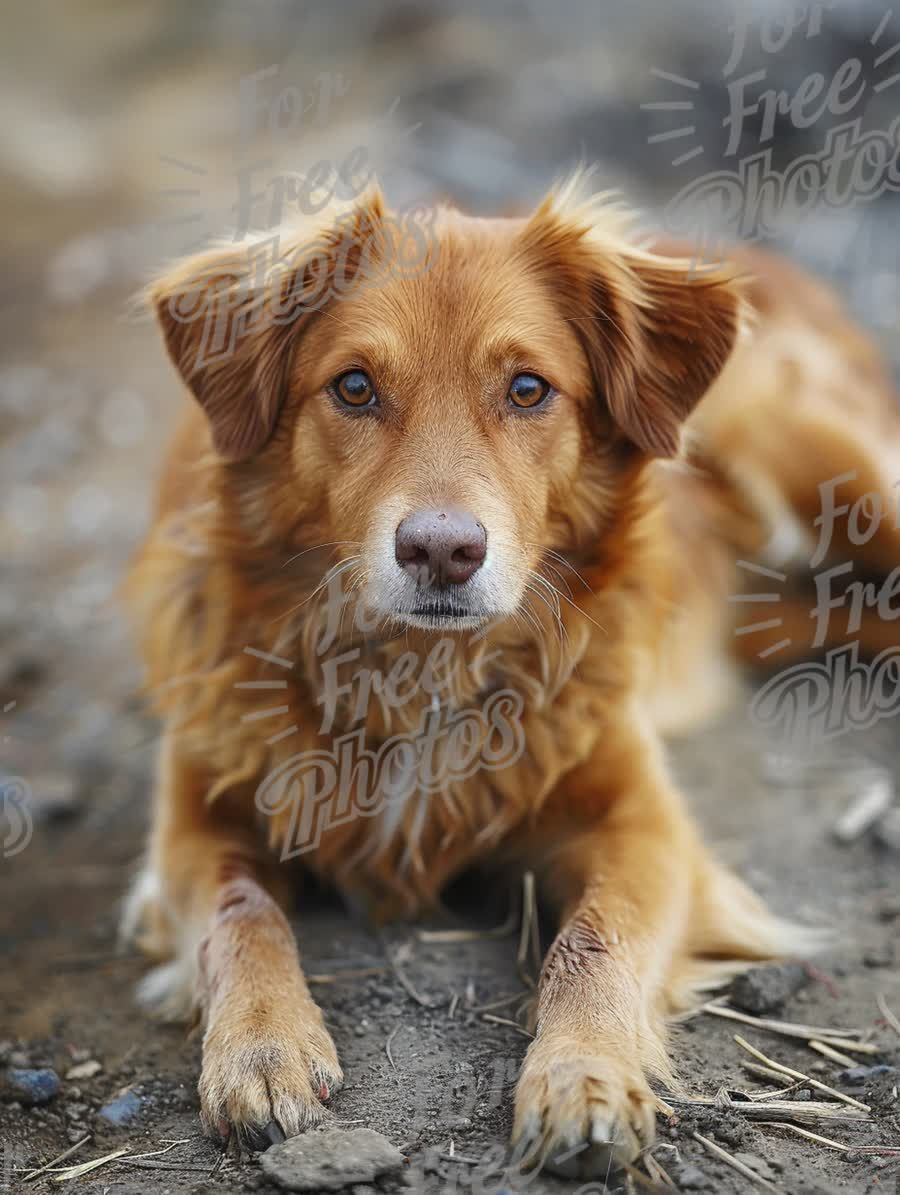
{"points": [[133, 132]]}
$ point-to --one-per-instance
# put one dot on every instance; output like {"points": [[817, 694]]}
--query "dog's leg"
{"points": [[268, 1060], [624, 888]]}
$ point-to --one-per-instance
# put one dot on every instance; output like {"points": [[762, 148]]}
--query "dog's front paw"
{"points": [[582, 1109], [262, 1081]]}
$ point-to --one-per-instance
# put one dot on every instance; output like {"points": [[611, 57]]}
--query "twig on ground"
{"points": [[866, 809], [832, 1055], [505, 1021], [529, 934], [766, 1072], [839, 1039], [493, 1004], [787, 1070], [793, 1128], [62, 1157], [506, 930], [760, 1108], [406, 984], [86, 1167], [886, 1012], [358, 973], [71, 1172], [387, 1045], [658, 1172], [872, 1150], [726, 1157]]}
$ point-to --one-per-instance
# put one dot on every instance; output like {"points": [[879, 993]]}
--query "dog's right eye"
{"points": [[354, 389]]}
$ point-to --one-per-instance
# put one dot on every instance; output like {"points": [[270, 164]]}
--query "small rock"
{"points": [[18, 1058], [889, 909], [330, 1159], [764, 989], [879, 957], [125, 1108], [85, 1070], [859, 1076], [690, 1178], [33, 1087], [55, 795]]}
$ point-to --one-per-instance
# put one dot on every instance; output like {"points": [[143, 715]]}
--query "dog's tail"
{"points": [[732, 929]]}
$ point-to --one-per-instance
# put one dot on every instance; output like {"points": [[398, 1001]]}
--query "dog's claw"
{"points": [[258, 1138]]}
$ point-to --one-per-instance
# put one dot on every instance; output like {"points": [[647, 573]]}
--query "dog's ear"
{"points": [[230, 317], [657, 330]]}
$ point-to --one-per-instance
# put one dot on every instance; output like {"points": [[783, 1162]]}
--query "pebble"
{"points": [[690, 1178], [85, 1070], [765, 989], [125, 1108], [33, 1087], [858, 1076], [330, 1159], [879, 957]]}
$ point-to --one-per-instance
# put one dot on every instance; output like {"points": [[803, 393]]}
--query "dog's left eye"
{"points": [[528, 390], [355, 389]]}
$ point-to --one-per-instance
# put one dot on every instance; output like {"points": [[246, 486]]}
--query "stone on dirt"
{"points": [[123, 1109], [765, 989], [33, 1087], [690, 1177], [329, 1159]]}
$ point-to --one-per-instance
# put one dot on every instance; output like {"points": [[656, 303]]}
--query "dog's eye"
{"points": [[528, 390], [354, 389]]}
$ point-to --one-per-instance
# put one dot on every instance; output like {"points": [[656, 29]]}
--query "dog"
{"points": [[542, 450]]}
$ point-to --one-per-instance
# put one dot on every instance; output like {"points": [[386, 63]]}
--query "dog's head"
{"points": [[444, 425]]}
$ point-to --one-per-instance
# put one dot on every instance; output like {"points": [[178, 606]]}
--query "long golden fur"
{"points": [[614, 519]]}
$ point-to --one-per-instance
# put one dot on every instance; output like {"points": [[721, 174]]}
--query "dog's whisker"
{"points": [[333, 573], [353, 543]]}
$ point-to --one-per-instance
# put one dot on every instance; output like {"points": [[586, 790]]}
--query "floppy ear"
{"points": [[657, 330], [230, 318]]}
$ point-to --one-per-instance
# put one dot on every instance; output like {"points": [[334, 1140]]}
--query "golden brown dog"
{"points": [[499, 460]]}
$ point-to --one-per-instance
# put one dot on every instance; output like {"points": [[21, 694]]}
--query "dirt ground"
{"points": [[99, 106]]}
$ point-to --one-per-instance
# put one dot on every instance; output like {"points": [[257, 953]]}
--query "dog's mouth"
{"points": [[448, 610], [441, 612]]}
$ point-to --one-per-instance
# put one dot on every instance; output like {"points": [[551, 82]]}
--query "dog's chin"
{"points": [[436, 619]]}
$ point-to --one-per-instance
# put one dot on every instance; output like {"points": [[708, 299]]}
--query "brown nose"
{"points": [[441, 547]]}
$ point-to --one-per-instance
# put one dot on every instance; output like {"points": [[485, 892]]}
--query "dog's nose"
{"points": [[446, 545]]}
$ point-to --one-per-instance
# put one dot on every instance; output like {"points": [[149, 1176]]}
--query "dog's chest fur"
{"points": [[390, 788]]}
